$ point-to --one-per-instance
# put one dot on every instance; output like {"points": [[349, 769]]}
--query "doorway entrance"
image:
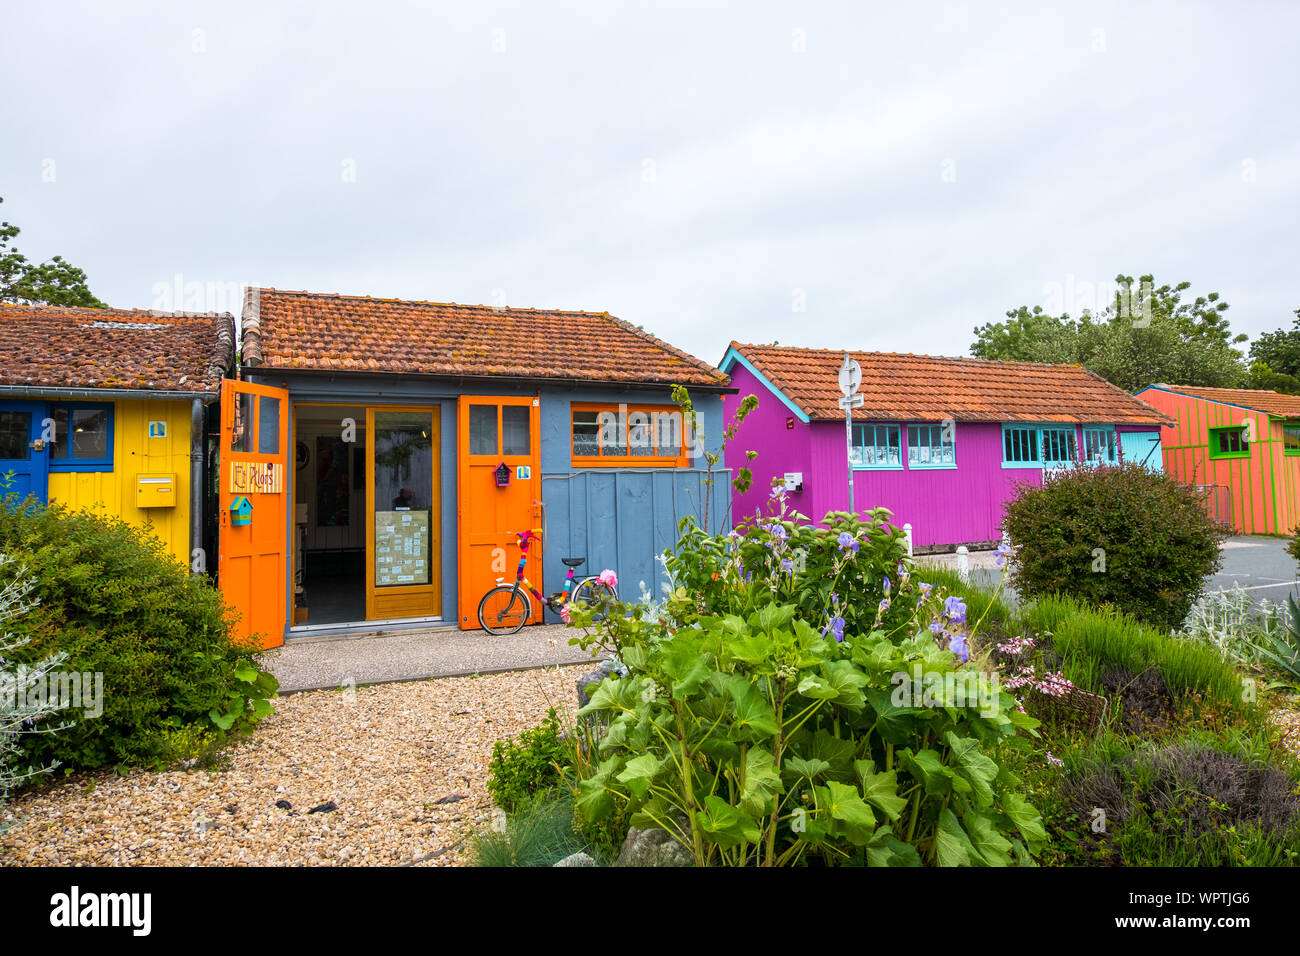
{"points": [[367, 522]]}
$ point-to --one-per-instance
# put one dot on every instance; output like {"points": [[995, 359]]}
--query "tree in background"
{"points": [[1275, 360], [1146, 335], [54, 282]]}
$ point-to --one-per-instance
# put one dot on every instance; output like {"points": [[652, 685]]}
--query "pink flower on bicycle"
{"points": [[564, 615], [608, 578]]}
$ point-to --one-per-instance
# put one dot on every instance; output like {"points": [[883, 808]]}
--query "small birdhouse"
{"points": [[502, 474], [241, 511]]}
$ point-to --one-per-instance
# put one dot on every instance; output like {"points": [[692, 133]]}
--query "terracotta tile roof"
{"points": [[57, 347], [1261, 400], [901, 387], [302, 330]]}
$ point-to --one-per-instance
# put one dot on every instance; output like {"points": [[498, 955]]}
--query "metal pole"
{"points": [[848, 436]]}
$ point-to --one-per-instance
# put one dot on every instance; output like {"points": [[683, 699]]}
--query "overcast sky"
{"points": [[876, 176]]}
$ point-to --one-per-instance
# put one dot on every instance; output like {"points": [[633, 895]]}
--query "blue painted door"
{"points": [[1142, 448], [24, 455]]}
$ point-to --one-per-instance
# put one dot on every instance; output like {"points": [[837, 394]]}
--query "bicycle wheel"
{"points": [[504, 609], [592, 591]]}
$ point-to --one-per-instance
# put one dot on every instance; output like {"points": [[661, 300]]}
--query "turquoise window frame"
{"points": [[876, 430], [1108, 433], [1031, 431], [933, 441], [1040, 437], [71, 463]]}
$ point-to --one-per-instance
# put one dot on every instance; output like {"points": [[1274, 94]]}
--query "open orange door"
{"points": [[253, 495], [498, 493]]}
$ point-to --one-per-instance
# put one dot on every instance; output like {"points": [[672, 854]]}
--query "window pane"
{"points": [[668, 434], [59, 444], [403, 481], [640, 436], [90, 433], [242, 439], [14, 429], [516, 437], [268, 425], [585, 430], [483, 430], [613, 440]]}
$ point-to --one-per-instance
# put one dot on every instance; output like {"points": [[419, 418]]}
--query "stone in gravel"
{"points": [[452, 798], [324, 807], [284, 804], [576, 859], [653, 848]]}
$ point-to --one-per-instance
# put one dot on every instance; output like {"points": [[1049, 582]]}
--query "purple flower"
{"points": [[957, 644], [925, 588], [936, 628], [955, 608], [887, 584], [847, 542], [837, 626], [777, 531], [1004, 551], [883, 607], [787, 564]]}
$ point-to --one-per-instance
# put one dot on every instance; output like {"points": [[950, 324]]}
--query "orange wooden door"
{"points": [[494, 432], [252, 564]]}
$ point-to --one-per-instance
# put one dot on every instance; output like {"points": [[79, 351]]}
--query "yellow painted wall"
{"points": [[134, 452]]}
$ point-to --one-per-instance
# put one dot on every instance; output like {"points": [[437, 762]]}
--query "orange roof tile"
{"points": [[902, 387], [303, 330], [1261, 400], [57, 347]]}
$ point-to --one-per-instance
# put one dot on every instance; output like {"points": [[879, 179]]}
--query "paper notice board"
{"points": [[401, 548]]}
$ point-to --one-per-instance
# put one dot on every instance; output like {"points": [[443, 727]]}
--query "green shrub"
{"points": [[519, 771], [768, 717], [1090, 642], [118, 604], [540, 833], [1114, 535], [1199, 801]]}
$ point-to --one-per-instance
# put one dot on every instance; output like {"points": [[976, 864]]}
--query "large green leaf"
{"points": [[1024, 816], [726, 825], [952, 846], [978, 768], [994, 849], [639, 774], [753, 712], [812, 768], [843, 802], [880, 789], [685, 667], [762, 783], [929, 768]]}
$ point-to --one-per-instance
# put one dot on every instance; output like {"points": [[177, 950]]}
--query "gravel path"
{"points": [[405, 763], [332, 662]]}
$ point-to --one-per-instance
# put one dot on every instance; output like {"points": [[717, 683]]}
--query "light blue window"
{"points": [[877, 446], [1100, 446], [931, 446], [1058, 446]]}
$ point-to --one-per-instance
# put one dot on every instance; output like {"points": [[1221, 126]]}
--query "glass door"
{"points": [[403, 573]]}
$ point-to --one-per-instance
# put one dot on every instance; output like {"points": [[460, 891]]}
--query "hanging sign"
{"points": [[256, 477]]}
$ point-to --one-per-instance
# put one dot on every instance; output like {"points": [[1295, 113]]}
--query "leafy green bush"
{"points": [[521, 770], [770, 718], [118, 604], [1114, 535]]}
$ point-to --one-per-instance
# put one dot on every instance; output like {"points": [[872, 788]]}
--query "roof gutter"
{"points": [[106, 394], [531, 381]]}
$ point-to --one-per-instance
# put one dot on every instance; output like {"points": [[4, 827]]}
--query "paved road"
{"points": [[1259, 564]]}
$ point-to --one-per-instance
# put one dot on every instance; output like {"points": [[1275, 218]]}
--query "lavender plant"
{"points": [[20, 710]]}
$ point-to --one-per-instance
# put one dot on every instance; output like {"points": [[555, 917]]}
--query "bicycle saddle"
{"points": [[574, 562]]}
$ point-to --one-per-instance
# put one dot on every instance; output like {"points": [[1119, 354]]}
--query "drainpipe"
{"points": [[197, 417]]}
